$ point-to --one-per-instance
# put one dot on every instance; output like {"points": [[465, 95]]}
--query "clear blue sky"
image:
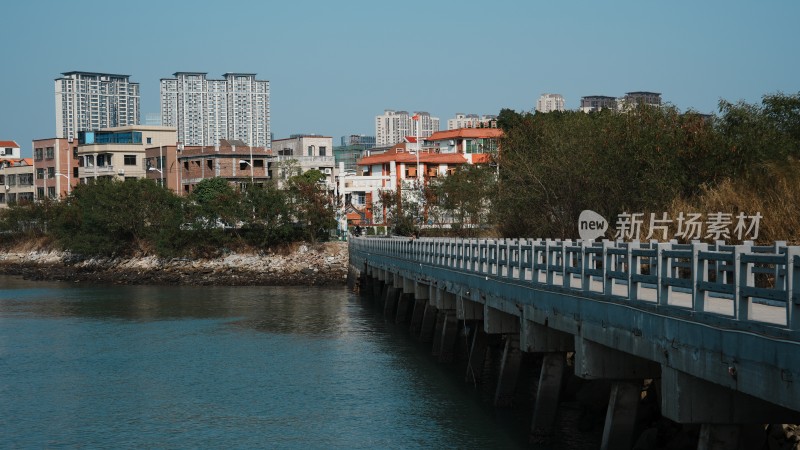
{"points": [[334, 65]]}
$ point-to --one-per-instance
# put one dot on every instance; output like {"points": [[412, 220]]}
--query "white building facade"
{"points": [[393, 126], [462, 120], [88, 101], [549, 103], [204, 111]]}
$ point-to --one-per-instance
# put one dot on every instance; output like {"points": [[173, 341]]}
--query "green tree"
{"points": [[269, 219], [464, 198], [215, 204], [311, 205], [119, 218]]}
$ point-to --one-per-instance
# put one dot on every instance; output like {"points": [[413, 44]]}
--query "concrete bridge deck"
{"points": [[718, 326]]}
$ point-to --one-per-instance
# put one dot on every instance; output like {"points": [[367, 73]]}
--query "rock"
{"points": [[318, 264]]}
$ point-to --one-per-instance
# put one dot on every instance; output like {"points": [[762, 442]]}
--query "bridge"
{"points": [[714, 328]]}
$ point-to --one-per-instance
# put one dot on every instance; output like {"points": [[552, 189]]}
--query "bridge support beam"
{"points": [[548, 393], [509, 372], [499, 322], [595, 361], [535, 338], [687, 399]]}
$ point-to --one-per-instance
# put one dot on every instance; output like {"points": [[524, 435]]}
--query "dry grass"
{"points": [[775, 194], [29, 244]]}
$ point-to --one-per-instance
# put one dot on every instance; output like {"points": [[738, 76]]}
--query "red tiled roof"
{"points": [[466, 133], [480, 158], [9, 144], [403, 157]]}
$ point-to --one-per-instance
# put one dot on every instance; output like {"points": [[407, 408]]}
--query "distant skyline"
{"points": [[334, 66]]}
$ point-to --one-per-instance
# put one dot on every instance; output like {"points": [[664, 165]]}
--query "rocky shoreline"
{"points": [[308, 264]]}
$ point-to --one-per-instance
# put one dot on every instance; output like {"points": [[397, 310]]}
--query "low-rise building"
{"points": [[118, 153], [55, 162], [301, 153], [180, 168], [406, 167], [9, 150], [16, 181]]}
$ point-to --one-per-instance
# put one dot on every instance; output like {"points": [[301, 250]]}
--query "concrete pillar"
{"points": [[404, 305], [545, 409], [416, 316], [428, 323], [718, 437], [509, 372], [621, 416], [421, 296], [730, 437], [438, 331], [477, 355], [390, 302], [377, 287], [447, 341]]}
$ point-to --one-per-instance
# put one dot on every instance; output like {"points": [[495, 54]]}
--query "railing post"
{"points": [[608, 282], [742, 276], [586, 280], [794, 290], [699, 274], [662, 291], [565, 276], [633, 269]]}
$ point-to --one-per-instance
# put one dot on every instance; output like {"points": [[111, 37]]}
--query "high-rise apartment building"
{"points": [[633, 99], [204, 111], [393, 126], [87, 101], [462, 120], [594, 103], [549, 103]]}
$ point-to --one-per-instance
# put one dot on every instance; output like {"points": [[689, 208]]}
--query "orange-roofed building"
{"points": [[9, 150], [411, 164]]}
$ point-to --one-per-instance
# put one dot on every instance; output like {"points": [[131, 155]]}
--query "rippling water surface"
{"points": [[233, 367]]}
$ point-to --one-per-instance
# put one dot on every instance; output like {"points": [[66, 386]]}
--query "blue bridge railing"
{"points": [[745, 286]]}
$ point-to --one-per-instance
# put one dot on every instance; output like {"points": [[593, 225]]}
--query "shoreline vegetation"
{"points": [[301, 264]]}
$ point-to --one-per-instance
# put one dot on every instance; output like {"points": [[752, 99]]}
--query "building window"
{"points": [[38, 154], [129, 160], [51, 192], [51, 172], [322, 150], [40, 192], [51, 153], [40, 174], [149, 140]]}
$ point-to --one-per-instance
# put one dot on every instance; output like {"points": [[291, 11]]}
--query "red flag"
{"points": [[415, 117]]}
